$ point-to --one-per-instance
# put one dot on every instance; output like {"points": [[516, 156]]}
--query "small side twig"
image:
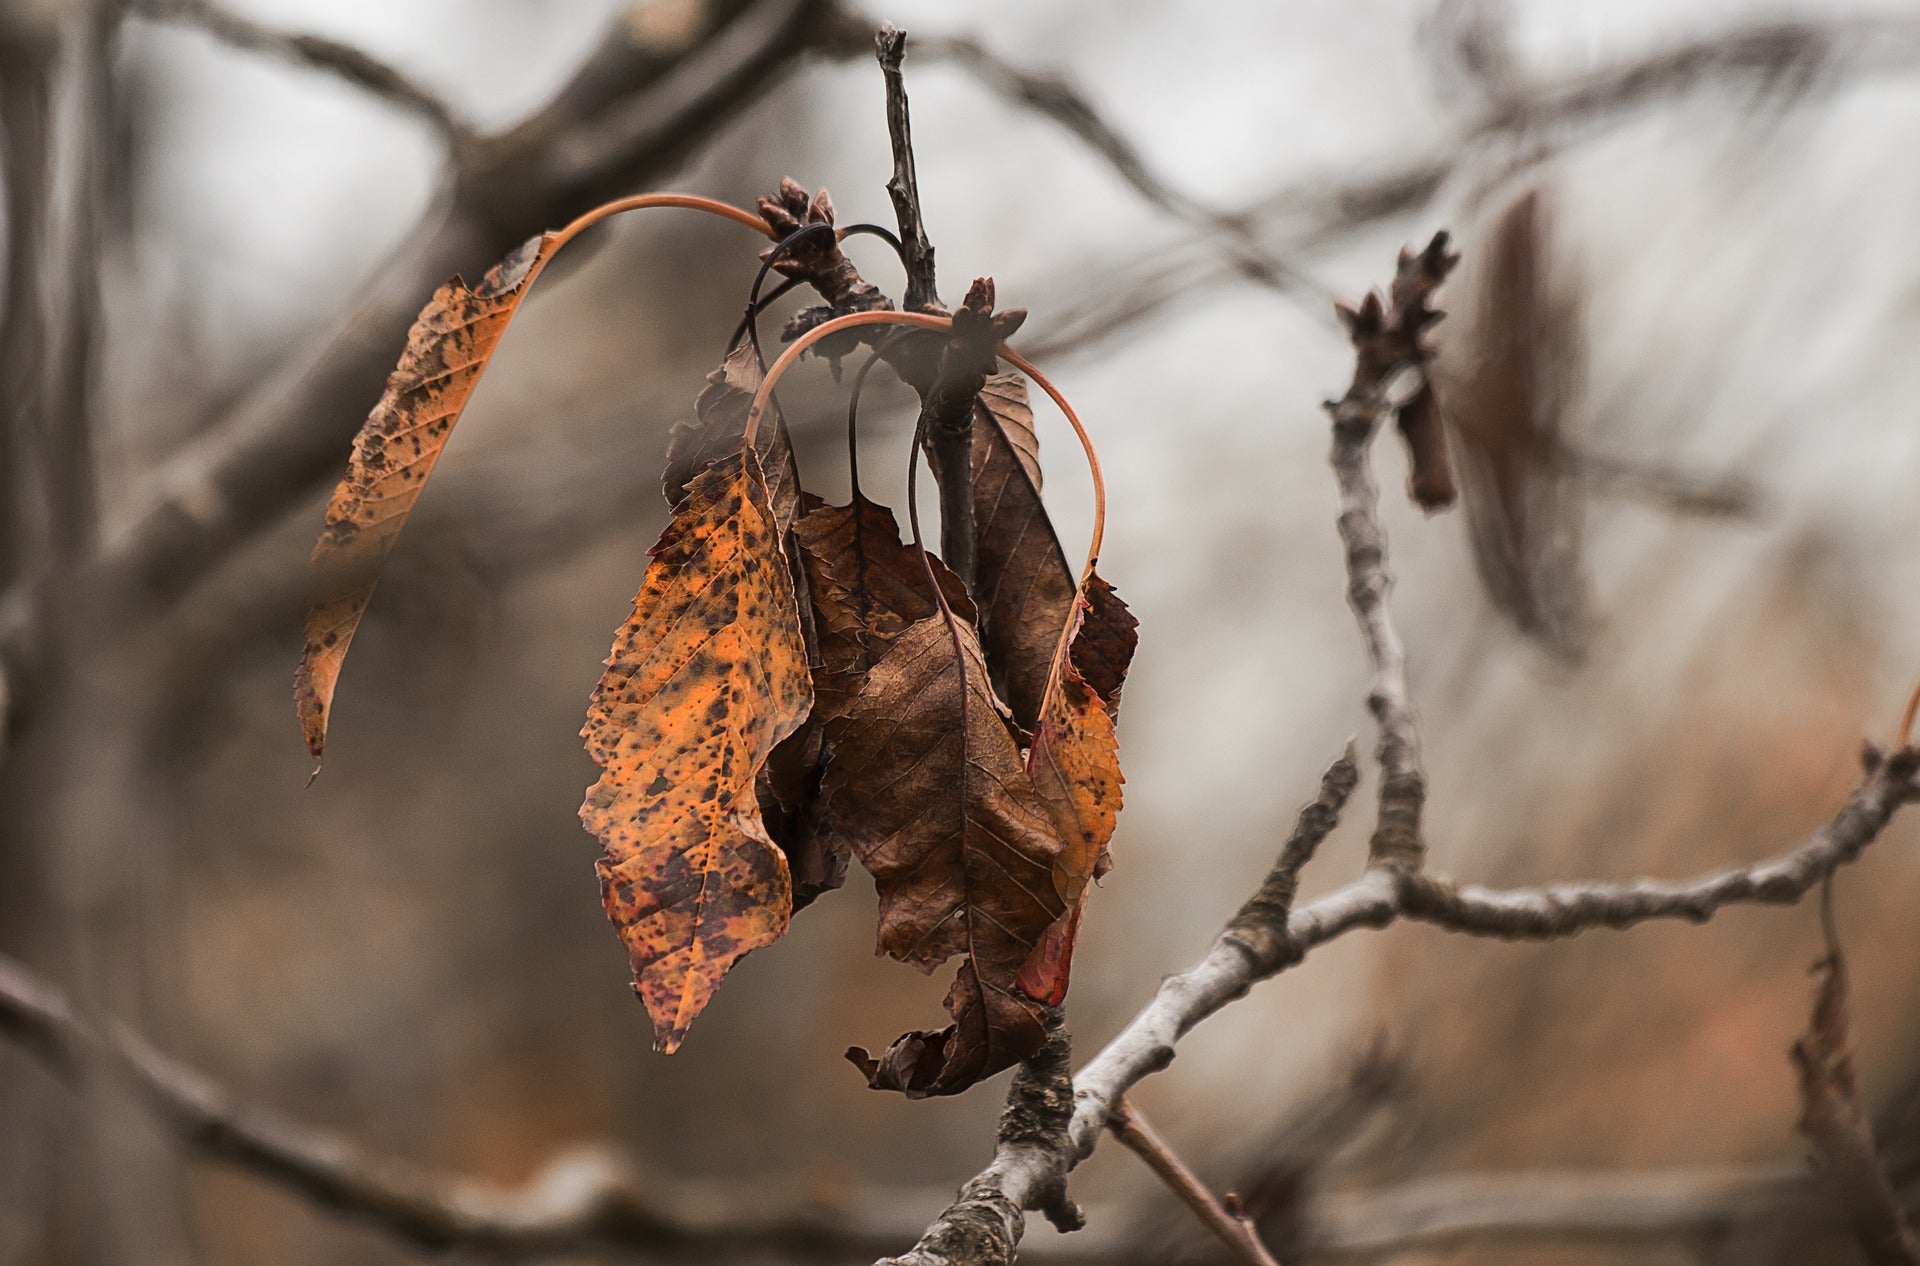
{"points": [[1133, 1129], [890, 46]]}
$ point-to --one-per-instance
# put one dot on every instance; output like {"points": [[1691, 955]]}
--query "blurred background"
{"points": [[1679, 591]]}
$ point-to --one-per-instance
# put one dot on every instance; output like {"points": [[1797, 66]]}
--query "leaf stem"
{"points": [[922, 320]]}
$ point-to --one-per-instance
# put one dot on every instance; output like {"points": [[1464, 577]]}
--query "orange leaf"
{"points": [[705, 678], [1074, 763], [447, 349]]}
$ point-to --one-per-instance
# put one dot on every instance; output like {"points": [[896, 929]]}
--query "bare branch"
{"points": [[1148, 1043], [330, 57], [1052, 96], [1551, 1206], [1139, 1136], [1268, 935], [1534, 123], [890, 46], [1387, 338], [987, 1220]]}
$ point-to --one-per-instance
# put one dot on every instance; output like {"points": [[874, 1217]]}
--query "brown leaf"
{"points": [[721, 413], [1505, 381], [864, 587], [1024, 584], [447, 350], [1004, 396], [1842, 1137], [1430, 479], [867, 586], [927, 784], [994, 1027], [1103, 648], [705, 678]]}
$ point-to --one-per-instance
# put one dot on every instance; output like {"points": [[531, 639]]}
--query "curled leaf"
{"points": [[1074, 764], [1832, 1120], [927, 785], [1506, 381], [706, 677], [1023, 582], [447, 350], [863, 586], [867, 586]]}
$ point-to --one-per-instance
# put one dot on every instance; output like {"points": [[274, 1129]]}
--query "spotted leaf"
{"points": [[706, 677], [447, 350]]}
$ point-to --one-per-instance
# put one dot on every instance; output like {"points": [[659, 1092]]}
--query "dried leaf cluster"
{"points": [[797, 685]]}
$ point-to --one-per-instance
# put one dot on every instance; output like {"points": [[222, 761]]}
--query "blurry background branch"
{"points": [[620, 124], [317, 53], [625, 121]]}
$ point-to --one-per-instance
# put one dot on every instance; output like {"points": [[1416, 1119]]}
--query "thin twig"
{"points": [[1133, 1129], [922, 295]]}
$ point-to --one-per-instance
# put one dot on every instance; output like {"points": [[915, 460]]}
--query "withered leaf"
{"points": [[1103, 647], [867, 586], [705, 678], [721, 413], [1024, 584], [1074, 763], [1832, 1120], [927, 785], [1004, 397], [447, 350], [1505, 381], [864, 587]]}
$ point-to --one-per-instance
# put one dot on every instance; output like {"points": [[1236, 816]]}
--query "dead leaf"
{"points": [[447, 350], [1103, 648], [1074, 764], [867, 586], [1831, 1119], [927, 785], [864, 587], [1505, 380], [705, 678], [1023, 583], [1004, 397]]}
